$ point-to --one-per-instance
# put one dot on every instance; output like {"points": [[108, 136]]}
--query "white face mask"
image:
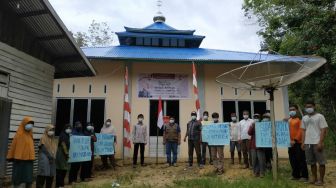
{"points": [[89, 128], [171, 121], [140, 120], [68, 131], [215, 119], [29, 127], [193, 117], [310, 110], [245, 116], [51, 133], [234, 118], [205, 117], [256, 120], [108, 124]]}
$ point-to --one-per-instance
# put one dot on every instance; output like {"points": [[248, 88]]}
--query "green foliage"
{"points": [[99, 34], [303, 27]]}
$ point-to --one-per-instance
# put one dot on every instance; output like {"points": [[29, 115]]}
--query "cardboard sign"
{"points": [[80, 149], [263, 132], [104, 144], [216, 134]]}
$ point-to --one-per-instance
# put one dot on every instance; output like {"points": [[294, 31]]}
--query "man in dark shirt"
{"points": [[193, 133]]}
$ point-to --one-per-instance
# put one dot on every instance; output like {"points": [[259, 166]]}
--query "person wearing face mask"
{"points": [[193, 134], [139, 137], [217, 152], [268, 151], [62, 155], [171, 138], [76, 166], [296, 155], [87, 166], [108, 128], [22, 154], [245, 138], [257, 154], [46, 160], [234, 138], [314, 128], [205, 144]]}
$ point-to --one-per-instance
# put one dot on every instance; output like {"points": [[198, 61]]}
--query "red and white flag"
{"points": [[127, 120], [198, 106], [160, 114]]}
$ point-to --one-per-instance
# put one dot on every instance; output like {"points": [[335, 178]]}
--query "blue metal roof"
{"points": [[156, 35], [159, 27], [175, 54]]}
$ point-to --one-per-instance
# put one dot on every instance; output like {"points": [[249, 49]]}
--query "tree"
{"points": [[302, 27], [99, 34]]}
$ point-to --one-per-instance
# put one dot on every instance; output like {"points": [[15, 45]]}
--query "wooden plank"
{"points": [[29, 98], [31, 89], [36, 73], [31, 104], [30, 109], [31, 94], [20, 56], [27, 113], [28, 83]]}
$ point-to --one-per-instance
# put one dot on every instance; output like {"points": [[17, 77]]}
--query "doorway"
{"points": [[170, 108]]}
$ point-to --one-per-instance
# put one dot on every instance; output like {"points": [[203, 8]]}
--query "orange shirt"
{"points": [[295, 129]]}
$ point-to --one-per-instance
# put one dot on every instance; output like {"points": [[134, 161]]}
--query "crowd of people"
{"points": [[307, 135]]}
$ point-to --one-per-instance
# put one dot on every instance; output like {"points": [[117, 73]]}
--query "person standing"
{"points": [[268, 151], [217, 152], [314, 128], [139, 134], [171, 138], [205, 145], [76, 166], [296, 155], [62, 155], [257, 154], [193, 133], [22, 154], [245, 138], [87, 166], [108, 128], [234, 138], [46, 160]]}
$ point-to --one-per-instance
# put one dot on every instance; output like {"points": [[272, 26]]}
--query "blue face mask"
{"points": [[266, 119], [310, 110], [28, 127], [292, 113]]}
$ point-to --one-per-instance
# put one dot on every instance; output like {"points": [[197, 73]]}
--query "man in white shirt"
{"points": [[234, 138], [245, 138], [314, 128]]}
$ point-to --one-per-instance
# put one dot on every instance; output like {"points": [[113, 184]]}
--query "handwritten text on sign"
{"points": [[80, 149], [264, 134], [217, 134], [104, 144]]}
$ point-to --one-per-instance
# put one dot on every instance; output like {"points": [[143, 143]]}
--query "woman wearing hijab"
{"points": [[46, 160], [22, 154], [62, 155], [86, 171], [75, 166], [108, 129]]}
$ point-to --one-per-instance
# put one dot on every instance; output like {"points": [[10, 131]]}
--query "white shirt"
{"points": [[244, 127], [313, 126]]}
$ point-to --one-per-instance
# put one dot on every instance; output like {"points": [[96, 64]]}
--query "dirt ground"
{"points": [[161, 175]]}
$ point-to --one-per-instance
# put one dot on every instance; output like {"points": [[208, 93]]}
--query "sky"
{"points": [[221, 21]]}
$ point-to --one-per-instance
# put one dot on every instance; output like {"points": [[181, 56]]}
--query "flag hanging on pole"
{"points": [[160, 114], [127, 120], [198, 106]]}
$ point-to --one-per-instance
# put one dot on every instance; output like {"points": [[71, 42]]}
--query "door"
{"points": [[5, 112], [170, 108]]}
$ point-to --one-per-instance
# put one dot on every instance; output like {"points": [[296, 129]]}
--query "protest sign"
{"points": [[263, 132], [104, 144], [80, 149], [216, 134]]}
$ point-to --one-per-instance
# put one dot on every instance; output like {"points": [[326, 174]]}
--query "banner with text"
{"points": [[168, 86], [80, 149], [264, 134], [104, 144], [216, 134]]}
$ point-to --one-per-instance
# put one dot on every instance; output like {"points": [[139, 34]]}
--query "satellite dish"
{"points": [[269, 75]]}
